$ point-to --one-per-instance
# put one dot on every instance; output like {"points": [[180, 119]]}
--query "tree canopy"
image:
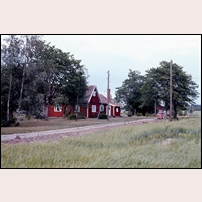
{"points": [[35, 74], [129, 93], [141, 92]]}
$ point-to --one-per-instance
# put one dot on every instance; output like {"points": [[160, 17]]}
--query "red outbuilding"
{"points": [[114, 109]]}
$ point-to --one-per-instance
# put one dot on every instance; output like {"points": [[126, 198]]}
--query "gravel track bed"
{"points": [[57, 134]]}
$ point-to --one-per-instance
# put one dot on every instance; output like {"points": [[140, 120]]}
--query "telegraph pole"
{"points": [[108, 96], [171, 90], [155, 106]]}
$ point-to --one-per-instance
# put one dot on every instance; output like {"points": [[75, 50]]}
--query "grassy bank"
{"points": [[152, 145]]}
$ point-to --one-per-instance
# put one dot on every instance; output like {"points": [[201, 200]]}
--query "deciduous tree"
{"points": [[157, 85]]}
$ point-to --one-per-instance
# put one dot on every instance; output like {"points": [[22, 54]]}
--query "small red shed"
{"points": [[114, 109]]}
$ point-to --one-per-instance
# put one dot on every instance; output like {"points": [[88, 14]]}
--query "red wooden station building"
{"points": [[94, 104]]}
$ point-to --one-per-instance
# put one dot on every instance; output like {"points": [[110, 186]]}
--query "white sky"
{"points": [[119, 53]]}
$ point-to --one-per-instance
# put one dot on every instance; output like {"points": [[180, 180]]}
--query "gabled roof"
{"points": [[89, 93], [104, 101], [103, 98]]}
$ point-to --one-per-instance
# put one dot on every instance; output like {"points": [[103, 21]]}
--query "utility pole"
{"points": [[171, 90], [155, 106], [108, 96]]}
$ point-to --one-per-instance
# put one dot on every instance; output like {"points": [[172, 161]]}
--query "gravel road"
{"points": [[55, 134]]}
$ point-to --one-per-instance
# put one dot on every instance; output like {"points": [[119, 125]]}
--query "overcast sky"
{"points": [[119, 53]]}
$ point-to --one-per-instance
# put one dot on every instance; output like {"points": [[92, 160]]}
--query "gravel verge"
{"points": [[57, 134]]}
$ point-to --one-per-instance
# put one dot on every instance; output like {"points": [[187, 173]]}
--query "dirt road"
{"points": [[56, 134]]}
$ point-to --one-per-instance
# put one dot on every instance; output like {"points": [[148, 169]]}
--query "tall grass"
{"points": [[153, 145]]}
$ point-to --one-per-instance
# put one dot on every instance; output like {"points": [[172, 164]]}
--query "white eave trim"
{"points": [[95, 87], [114, 105]]}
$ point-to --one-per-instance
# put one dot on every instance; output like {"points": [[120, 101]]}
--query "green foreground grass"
{"points": [[174, 144]]}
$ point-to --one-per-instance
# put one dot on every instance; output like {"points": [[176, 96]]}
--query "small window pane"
{"points": [[93, 108], [57, 108], [77, 108]]}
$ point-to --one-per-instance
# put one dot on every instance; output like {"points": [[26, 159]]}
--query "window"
{"points": [[57, 108], [93, 108], [117, 109], [78, 109], [94, 93]]}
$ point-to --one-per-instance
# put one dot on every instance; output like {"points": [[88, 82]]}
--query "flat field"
{"points": [[174, 144]]}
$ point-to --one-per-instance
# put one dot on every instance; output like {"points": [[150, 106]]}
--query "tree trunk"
{"points": [[135, 112], [46, 112], [20, 99], [8, 101], [64, 111], [175, 111]]}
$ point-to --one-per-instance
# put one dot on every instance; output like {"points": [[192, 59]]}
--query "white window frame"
{"points": [[109, 110], [78, 108], [57, 108], [94, 93], [93, 108]]}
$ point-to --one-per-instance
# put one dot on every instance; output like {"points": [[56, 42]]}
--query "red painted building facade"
{"points": [[91, 107], [114, 109]]}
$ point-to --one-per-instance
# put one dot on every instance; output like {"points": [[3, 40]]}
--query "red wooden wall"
{"points": [[94, 101], [52, 113]]}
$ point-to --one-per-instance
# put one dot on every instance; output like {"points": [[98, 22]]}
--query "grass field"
{"points": [[34, 125], [174, 144]]}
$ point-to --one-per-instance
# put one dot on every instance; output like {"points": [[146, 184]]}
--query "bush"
{"points": [[73, 116], [129, 114], [181, 113], [94, 115], [39, 116], [13, 120], [4, 123], [102, 116], [152, 115], [28, 116], [81, 116], [139, 114]]}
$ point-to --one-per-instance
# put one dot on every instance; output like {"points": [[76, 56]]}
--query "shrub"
{"points": [[153, 115], [102, 116], [28, 116], [94, 115], [72, 116], [81, 116], [13, 120], [39, 116], [181, 113], [139, 114], [4, 123], [129, 114]]}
